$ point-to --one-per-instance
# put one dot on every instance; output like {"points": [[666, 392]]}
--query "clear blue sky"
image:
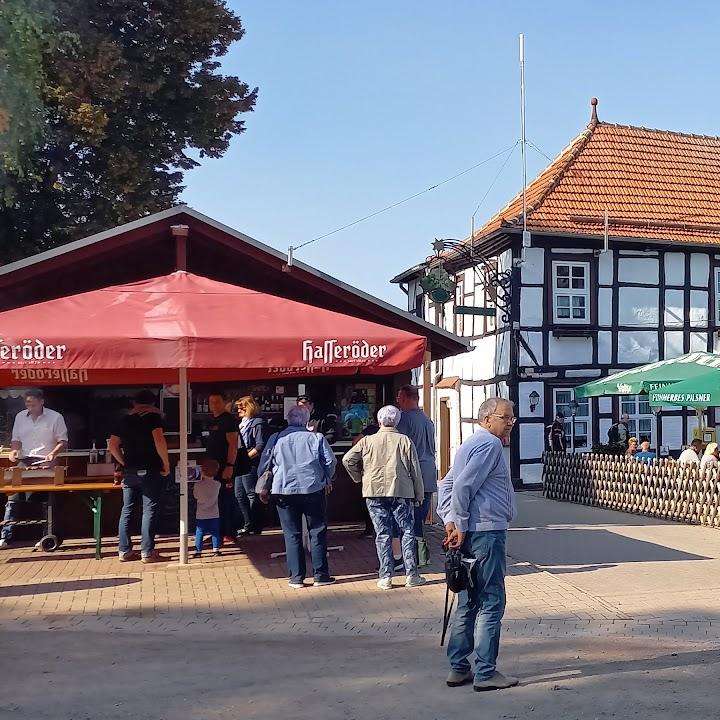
{"points": [[364, 103]]}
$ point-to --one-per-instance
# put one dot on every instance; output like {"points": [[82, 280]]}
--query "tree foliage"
{"points": [[131, 97]]}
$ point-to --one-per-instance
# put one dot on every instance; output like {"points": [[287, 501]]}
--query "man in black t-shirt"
{"points": [[138, 445], [222, 445]]}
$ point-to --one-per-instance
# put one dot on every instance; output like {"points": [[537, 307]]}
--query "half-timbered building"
{"points": [[620, 266]]}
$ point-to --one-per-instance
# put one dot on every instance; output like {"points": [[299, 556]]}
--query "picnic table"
{"points": [[90, 489]]}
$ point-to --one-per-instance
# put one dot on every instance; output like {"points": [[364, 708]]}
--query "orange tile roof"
{"points": [[654, 184]]}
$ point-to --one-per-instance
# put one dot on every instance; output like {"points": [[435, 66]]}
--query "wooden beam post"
{"points": [[180, 233]]}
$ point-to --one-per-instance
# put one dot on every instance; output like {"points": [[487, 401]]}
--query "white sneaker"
{"points": [[4, 544], [385, 583], [415, 581]]}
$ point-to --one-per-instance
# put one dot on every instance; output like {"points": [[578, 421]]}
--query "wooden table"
{"points": [[90, 489]]}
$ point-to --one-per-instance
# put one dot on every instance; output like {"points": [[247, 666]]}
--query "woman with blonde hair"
{"points": [[710, 458], [632, 447], [251, 441]]}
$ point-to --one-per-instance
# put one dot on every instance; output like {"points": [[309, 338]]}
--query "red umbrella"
{"points": [[182, 327], [145, 331]]}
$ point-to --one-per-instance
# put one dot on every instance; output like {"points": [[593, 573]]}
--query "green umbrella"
{"points": [[698, 366], [698, 392]]}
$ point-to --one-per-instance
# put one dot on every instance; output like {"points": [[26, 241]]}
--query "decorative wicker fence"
{"points": [[662, 489]]}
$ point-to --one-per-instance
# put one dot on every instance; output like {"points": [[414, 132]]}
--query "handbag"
{"points": [[458, 577], [264, 481]]}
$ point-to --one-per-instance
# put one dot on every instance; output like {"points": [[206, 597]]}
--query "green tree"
{"points": [[131, 98]]}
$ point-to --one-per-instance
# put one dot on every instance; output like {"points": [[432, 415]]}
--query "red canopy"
{"points": [[143, 332]]}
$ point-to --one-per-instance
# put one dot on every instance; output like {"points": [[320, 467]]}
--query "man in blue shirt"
{"points": [[645, 454], [476, 501], [420, 429]]}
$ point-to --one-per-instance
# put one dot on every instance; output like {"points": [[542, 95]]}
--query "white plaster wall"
{"points": [[604, 405], [699, 269], [672, 431], [531, 307], [716, 344], [698, 308], [637, 347], [479, 397], [674, 308], [482, 361], [606, 341], [605, 268], [531, 474], [638, 306], [673, 344], [638, 270], [532, 442], [605, 307], [604, 424], [535, 341], [533, 269], [698, 342], [675, 269], [466, 430], [524, 390], [570, 351], [502, 391], [466, 401], [505, 260], [503, 354]]}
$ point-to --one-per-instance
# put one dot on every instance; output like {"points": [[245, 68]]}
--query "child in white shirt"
{"points": [[207, 515]]}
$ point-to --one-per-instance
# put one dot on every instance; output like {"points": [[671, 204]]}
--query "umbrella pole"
{"points": [[183, 466]]}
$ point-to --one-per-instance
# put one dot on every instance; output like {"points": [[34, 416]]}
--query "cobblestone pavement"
{"points": [[246, 592]]}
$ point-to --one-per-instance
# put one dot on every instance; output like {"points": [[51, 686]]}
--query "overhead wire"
{"points": [[404, 200]]}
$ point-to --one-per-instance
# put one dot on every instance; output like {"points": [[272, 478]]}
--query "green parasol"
{"points": [[699, 368], [698, 392]]}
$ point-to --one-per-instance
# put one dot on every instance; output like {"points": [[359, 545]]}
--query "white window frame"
{"points": [[636, 416], [587, 418], [571, 292]]}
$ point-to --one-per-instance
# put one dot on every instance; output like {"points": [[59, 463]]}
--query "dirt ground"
{"points": [[90, 676]]}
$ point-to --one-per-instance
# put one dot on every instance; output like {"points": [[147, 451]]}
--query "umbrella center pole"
{"points": [[183, 466]]}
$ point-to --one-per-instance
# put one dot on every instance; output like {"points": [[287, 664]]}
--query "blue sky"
{"points": [[364, 103]]}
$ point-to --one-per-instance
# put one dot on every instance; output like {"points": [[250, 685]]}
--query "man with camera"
{"points": [[476, 501]]}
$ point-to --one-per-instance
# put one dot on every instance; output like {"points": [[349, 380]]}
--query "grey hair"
{"points": [[490, 406], [388, 416], [298, 416]]}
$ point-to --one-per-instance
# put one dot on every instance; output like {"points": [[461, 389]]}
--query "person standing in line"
{"points": [[222, 446], [138, 445], [302, 466], [387, 466], [207, 514], [251, 441], [477, 503], [38, 436], [555, 439], [319, 422], [420, 429], [691, 454]]}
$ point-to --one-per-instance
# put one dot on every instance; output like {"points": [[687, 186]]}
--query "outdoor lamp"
{"points": [[534, 399], [573, 405]]}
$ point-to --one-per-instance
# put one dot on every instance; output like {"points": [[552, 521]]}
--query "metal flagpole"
{"points": [[183, 466]]}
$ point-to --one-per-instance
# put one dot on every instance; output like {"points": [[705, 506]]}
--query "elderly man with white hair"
{"points": [[387, 465], [476, 501], [302, 465]]}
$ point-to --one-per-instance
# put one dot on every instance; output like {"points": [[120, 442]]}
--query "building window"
{"points": [[583, 421], [571, 292], [637, 407], [717, 296]]}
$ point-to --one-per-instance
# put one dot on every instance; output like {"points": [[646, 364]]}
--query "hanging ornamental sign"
{"points": [[438, 285]]}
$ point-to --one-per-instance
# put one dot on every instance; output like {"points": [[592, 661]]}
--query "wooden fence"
{"points": [[662, 488]]}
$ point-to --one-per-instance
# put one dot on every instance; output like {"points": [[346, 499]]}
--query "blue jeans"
{"points": [[420, 515], [11, 509], [209, 526], [291, 509], [477, 620], [248, 501], [149, 488], [383, 511]]}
